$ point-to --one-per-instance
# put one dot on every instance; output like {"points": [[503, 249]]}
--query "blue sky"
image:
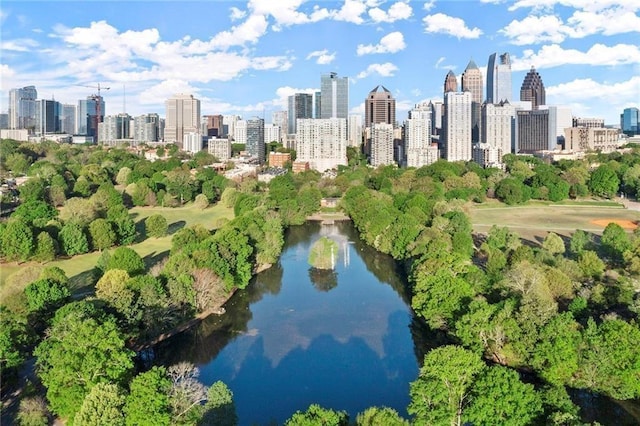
{"points": [[246, 57]]}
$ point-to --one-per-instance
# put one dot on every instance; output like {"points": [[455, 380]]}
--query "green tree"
{"points": [[378, 416], [102, 234], [555, 356], [102, 406], [122, 178], [82, 349], [44, 296], [148, 402], [580, 241], [553, 244], [591, 264], [45, 248], [32, 189], [33, 411], [127, 259], [35, 212], [14, 340], [112, 288], [604, 181], [73, 240], [316, 415], [17, 240], [82, 187], [80, 211], [156, 226], [615, 241], [499, 397], [512, 191], [441, 392], [220, 409]]}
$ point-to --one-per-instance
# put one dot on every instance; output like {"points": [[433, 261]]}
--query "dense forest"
{"points": [[523, 321]]}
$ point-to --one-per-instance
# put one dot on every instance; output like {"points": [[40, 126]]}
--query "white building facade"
{"points": [[417, 137], [382, 135], [220, 148], [457, 126], [322, 142], [497, 125]]}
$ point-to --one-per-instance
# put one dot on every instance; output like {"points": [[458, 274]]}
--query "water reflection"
{"points": [[287, 341]]}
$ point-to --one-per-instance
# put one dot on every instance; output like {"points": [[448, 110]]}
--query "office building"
{"points": [[91, 111], [240, 132], [629, 121], [229, 125], [115, 130], [472, 82], [322, 143], [22, 108], [379, 107], [255, 145], [146, 128], [219, 148], [560, 118], [487, 156], [182, 117], [354, 128], [299, 105], [497, 124], [192, 142], [587, 122], [457, 126], [436, 117], [47, 116], [317, 104], [533, 131], [418, 149], [271, 133], [68, 119], [4, 121], [450, 82], [499, 79], [334, 96], [213, 124], [281, 119], [533, 89], [583, 139]]}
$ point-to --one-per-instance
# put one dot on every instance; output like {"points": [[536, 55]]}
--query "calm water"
{"points": [[298, 336], [344, 339]]}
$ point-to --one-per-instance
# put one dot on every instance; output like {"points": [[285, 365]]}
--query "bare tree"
{"points": [[186, 391]]}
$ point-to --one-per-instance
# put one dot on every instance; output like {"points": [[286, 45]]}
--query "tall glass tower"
{"points": [[334, 94], [499, 79]]}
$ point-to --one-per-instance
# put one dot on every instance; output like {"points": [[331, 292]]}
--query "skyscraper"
{"points": [[380, 107], [533, 89], [334, 96], [183, 116], [450, 82], [22, 107], [146, 128], [114, 128], [87, 121], [499, 79], [472, 82], [417, 137], [497, 125], [354, 129], [255, 139], [533, 131], [299, 105], [457, 126], [381, 144], [629, 121], [214, 124], [47, 116], [68, 119]]}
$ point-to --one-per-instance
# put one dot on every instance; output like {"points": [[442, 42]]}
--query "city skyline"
{"points": [[253, 55]]}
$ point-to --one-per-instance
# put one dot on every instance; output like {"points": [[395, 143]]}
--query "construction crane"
{"points": [[96, 98]]}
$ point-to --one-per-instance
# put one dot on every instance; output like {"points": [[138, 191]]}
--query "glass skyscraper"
{"points": [[334, 102], [88, 119], [255, 138], [499, 79]]}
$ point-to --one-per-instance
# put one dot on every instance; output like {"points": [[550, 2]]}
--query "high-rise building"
{"points": [[450, 82], [629, 121], [317, 102], [281, 119], [322, 142], [4, 121], [354, 128], [472, 82], [497, 122], [255, 139], [192, 142], [457, 126], [436, 117], [114, 128], [382, 137], [271, 133], [47, 116], [560, 118], [499, 79], [533, 89], [417, 137], [229, 125], [22, 108], [182, 117], [240, 132], [88, 119], [379, 107], [146, 128], [220, 148], [533, 131], [299, 105], [214, 125], [68, 119], [334, 96]]}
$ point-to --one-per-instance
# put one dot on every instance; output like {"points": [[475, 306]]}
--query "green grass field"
{"points": [[79, 268], [536, 220]]}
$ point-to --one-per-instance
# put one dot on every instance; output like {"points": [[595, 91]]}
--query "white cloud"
{"points": [[324, 58], [391, 43], [279, 63], [592, 5], [384, 70], [249, 31], [237, 14], [19, 45], [441, 23], [397, 11], [286, 13], [164, 90], [553, 55], [439, 64], [351, 11], [535, 29]]}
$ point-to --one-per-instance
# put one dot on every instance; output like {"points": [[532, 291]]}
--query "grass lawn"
{"points": [[534, 221], [79, 268]]}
